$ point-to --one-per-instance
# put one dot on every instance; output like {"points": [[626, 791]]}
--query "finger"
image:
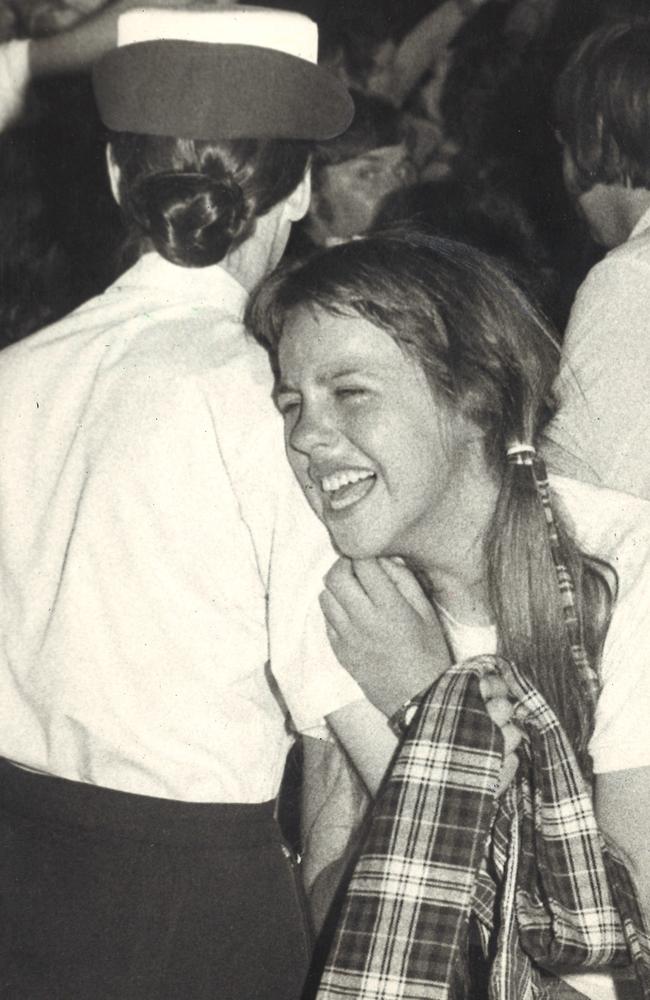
{"points": [[340, 572], [335, 616], [408, 585], [376, 583], [493, 686], [512, 737], [332, 635], [388, 585], [342, 565], [500, 710], [346, 588]]}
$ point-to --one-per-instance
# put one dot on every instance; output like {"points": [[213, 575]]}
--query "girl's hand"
{"points": [[383, 629]]}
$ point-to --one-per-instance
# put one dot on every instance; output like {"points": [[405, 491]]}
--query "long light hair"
{"points": [[490, 354]]}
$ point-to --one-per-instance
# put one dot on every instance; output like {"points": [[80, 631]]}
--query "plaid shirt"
{"points": [[531, 870]]}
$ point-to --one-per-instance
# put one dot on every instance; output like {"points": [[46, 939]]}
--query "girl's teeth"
{"points": [[337, 480], [345, 488], [351, 493]]}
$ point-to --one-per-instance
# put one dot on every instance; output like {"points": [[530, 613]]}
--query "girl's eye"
{"points": [[349, 392]]}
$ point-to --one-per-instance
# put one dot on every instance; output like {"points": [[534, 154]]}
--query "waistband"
{"points": [[46, 800]]}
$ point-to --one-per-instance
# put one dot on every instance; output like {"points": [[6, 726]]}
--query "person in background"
{"points": [[484, 216], [354, 172], [381, 52], [155, 552], [414, 378], [602, 430], [53, 195]]}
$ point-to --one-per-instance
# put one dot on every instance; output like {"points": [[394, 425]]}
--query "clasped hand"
{"points": [[383, 629], [387, 634]]}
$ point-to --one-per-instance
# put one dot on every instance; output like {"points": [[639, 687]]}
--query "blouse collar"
{"points": [[201, 286]]}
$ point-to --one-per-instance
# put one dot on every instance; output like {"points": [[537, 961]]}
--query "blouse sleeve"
{"points": [[312, 681]]}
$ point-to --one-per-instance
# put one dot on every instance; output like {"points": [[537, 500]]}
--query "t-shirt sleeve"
{"points": [[621, 736], [603, 422], [312, 682]]}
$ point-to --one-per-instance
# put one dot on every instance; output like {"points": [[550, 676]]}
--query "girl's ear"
{"points": [[114, 174]]}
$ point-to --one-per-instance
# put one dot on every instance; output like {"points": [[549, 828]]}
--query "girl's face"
{"points": [[377, 456]]}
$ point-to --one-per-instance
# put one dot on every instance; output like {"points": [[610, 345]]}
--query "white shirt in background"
{"points": [[602, 430]]}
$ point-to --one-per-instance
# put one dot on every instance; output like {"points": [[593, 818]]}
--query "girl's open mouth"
{"points": [[347, 487]]}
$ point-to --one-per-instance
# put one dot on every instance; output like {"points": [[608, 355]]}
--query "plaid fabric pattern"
{"points": [[531, 870]]}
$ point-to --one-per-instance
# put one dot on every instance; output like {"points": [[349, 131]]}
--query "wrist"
{"points": [[390, 699], [400, 721]]}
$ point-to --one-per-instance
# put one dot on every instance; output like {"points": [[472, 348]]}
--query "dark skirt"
{"points": [[106, 895]]}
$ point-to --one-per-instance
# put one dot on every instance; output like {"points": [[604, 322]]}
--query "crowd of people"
{"points": [[324, 500], [467, 86]]}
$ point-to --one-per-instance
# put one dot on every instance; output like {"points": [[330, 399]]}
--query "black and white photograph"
{"points": [[325, 500]]}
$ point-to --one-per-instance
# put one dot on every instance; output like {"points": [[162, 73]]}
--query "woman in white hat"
{"points": [[149, 538]]}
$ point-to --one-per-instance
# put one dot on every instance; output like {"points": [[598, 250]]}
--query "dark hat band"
{"points": [[197, 90]]}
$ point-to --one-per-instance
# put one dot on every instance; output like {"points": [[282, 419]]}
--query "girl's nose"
{"points": [[313, 428]]}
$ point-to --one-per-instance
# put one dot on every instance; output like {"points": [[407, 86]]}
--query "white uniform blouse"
{"points": [[155, 552]]}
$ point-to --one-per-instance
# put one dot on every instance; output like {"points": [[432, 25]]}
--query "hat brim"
{"points": [[196, 90]]}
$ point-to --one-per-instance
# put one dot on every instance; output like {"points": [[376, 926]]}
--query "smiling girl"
{"points": [[414, 379]]}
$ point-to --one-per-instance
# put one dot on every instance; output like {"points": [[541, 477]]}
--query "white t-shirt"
{"points": [[602, 429], [615, 527], [155, 551]]}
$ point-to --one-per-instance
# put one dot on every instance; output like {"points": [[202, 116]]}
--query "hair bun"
{"points": [[192, 218]]}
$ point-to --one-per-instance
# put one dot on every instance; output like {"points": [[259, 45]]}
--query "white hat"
{"points": [[238, 72]]}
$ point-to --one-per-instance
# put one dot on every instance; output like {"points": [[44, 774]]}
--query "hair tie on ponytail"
{"points": [[520, 453], [524, 453], [566, 584]]}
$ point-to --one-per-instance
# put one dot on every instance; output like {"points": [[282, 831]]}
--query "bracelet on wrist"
{"points": [[400, 720]]}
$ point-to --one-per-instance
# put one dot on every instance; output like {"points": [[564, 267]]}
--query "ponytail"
{"points": [[542, 598]]}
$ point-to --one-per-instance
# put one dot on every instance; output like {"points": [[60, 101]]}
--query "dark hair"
{"points": [[602, 106], [351, 34], [491, 355], [486, 216], [194, 200], [376, 123]]}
